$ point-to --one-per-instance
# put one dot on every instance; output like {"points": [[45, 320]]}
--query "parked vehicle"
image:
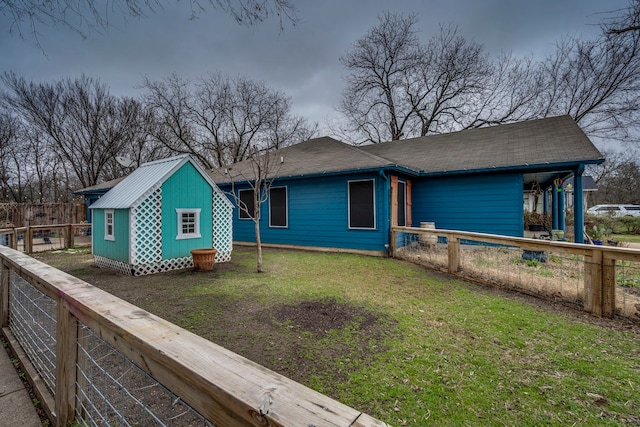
{"points": [[614, 210]]}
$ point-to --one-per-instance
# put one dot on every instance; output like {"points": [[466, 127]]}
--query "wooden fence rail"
{"points": [[29, 214], [223, 387], [599, 261], [68, 231]]}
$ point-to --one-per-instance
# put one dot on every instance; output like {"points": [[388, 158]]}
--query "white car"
{"points": [[614, 210]]}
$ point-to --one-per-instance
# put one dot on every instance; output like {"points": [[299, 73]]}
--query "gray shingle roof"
{"points": [[553, 140], [543, 142], [313, 157]]}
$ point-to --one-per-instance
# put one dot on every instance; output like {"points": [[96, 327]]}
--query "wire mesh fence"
{"points": [[552, 273], [33, 323], [101, 337], [113, 391]]}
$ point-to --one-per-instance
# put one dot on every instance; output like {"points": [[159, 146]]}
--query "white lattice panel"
{"points": [[162, 266], [143, 269], [112, 264], [222, 226], [146, 229]]}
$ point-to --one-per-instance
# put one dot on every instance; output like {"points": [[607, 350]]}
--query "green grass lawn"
{"points": [[446, 352], [631, 238]]}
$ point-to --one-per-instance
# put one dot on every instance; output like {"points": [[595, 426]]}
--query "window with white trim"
{"points": [[362, 204], [188, 224], [109, 225]]}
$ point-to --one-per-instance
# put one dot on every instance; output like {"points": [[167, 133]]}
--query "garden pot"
{"points": [[204, 259], [597, 242]]}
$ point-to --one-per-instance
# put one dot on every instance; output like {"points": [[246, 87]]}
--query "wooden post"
{"points": [[28, 240], [68, 236], [4, 296], [593, 283], [392, 243], [608, 287], [66, 358], [453, 249]]}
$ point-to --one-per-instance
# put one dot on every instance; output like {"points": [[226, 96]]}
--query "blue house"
{"points": [[329, 195], [151, 220]]}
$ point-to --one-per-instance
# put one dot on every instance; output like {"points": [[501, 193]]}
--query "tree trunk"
{"points": [[258, 245]]}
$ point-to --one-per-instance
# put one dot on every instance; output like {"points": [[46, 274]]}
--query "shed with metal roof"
{"points": [[151, 220]]}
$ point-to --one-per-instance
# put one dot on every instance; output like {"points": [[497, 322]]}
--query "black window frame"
{"points": [[359, 222]]}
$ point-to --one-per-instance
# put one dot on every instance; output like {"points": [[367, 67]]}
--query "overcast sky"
{"points": [[301, 61]]}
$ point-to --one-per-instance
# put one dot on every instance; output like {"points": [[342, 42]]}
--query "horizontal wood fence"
{"points": [[603, 280], [46, 237], [27, 214], [72, 338]]}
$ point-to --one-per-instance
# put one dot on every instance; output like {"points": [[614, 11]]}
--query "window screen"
{"points": [[402, 204], [361, 204], [278, 207], [246, 207]]}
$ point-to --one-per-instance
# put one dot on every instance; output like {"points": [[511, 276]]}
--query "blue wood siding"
{"points": [[318, 215], [117, 249], [185, 189], [479, 203]]}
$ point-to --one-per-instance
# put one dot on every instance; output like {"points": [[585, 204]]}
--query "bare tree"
{"points": [[85, 125], [451, 76], [220, 120], [84, 16], [623, 21], [398, 87], [380, 65], [258, 171], [596, 82], [618, 178]]}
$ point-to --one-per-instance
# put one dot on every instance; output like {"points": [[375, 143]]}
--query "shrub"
{"points": [[631, 224]]}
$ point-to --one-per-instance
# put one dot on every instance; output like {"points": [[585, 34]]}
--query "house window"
{"points": [[246, 204], [188, 223], [109, 226], [278, 207], [362, 204], [402, 204]]}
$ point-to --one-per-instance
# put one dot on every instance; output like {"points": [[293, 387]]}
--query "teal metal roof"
{"points": [[133, 188]]}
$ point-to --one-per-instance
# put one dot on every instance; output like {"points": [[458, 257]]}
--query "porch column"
{"points": [[561, 209], [578, 207], [554, 207], [545, 202]]}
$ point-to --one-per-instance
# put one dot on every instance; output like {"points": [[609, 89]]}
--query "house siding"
{"points": [[117, 249], [178, 192], [318, 215], [477, 203]]}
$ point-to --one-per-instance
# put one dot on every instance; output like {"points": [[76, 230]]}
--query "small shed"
{"points": [[152, 219]]}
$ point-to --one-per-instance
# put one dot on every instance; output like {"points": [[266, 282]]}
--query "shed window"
{"points": [[109, 226], [246, 204], [362, 204], [402, 204], [188, 223], [278, 207]]}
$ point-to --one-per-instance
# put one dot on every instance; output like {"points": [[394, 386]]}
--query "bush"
{"points": [[630, 223]]}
